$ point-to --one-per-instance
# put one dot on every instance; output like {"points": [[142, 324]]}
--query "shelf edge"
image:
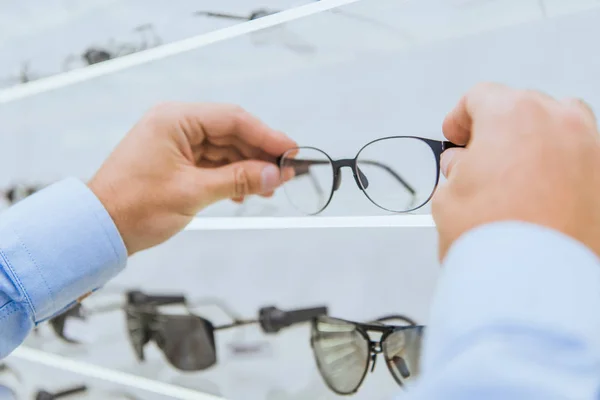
{"points": [[109, 375], [270, 223]]}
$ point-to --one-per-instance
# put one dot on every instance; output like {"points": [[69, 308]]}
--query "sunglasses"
{"points": [[398, 174], [65, 325], [188, 341], [344, 351]]}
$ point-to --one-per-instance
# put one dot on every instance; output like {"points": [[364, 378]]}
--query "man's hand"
{"points": [[529, 157], [181, 158]]}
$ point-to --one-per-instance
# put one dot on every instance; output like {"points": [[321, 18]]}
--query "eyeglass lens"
{"points": [[311, 184], [398, 174], [401, 173], [402, 352], [342, 354]]}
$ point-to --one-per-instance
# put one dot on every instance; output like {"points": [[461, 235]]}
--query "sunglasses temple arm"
{"points": [[272, 319], [221, 305], [236, 324]]}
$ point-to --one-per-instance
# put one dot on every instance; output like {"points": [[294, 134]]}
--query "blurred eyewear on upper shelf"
{"points": [[25, 75], [97, 54], [398, 173], [18, 192], [344, 350], [92, 55], [12, 388], [273, 35], [187, 340]]}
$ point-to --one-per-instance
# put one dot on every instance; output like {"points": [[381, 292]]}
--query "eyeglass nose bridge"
{"points": [[360, 178]]}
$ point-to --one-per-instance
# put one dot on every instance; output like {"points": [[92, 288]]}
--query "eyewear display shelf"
{"points": [[108, 356]]}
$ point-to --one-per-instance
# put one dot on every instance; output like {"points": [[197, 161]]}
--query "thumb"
{"points": [[449, 160], [240, 179]]}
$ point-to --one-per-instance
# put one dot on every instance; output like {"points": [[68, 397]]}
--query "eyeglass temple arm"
{"points": [[449, 145], [391, 171], [302, 166], [396, 317], [221, 15]]}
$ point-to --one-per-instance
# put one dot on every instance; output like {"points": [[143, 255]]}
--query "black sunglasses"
{"points": [[398, 173], [188, 341], [60, 324], [344, 350]]}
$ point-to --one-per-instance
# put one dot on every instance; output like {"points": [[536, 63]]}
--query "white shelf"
{"points": [[263, 223], [109, 375], [164, 51]]}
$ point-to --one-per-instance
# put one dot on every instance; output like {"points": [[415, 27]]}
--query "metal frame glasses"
{"points": [[397, 173]]}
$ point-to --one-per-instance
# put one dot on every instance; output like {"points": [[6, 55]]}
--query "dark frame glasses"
{"points": [[297, 162], [344, 351], [188, 341]]}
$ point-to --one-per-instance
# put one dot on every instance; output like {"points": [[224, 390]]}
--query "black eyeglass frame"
{"points": [[375, 346], [436, 146]]}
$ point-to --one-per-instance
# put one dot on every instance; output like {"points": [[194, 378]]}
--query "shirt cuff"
{"points": [[58, 245], [515, 274]]}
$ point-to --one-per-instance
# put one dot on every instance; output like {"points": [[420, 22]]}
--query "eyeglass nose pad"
{"points": [[400, 364], [361, 179]]}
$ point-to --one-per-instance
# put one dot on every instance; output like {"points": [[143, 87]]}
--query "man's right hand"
{"points": [[529, 158]]}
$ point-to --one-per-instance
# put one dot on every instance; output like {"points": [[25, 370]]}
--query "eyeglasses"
{"points": [[344, 351], [188, 341], [398, 174]]}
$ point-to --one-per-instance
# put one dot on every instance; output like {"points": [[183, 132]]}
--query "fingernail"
{"points": [[269, 178], [446, 161]]}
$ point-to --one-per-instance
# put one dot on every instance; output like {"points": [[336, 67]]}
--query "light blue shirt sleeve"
{"points": [[55, 246], [516, 316]]}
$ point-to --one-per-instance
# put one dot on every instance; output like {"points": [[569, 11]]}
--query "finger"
{"points": [[449, 159], [586, 111], [239, 179], [221, 120], [214, 153], [211, 164], [458, 123], [268, 194], [238, 200], [245, 149]]}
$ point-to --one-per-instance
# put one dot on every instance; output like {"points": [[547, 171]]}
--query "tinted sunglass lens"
{"points": [[187, 341], [137, 327], [308, 176], [402, 352], [342, 354], [398, 174]]}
